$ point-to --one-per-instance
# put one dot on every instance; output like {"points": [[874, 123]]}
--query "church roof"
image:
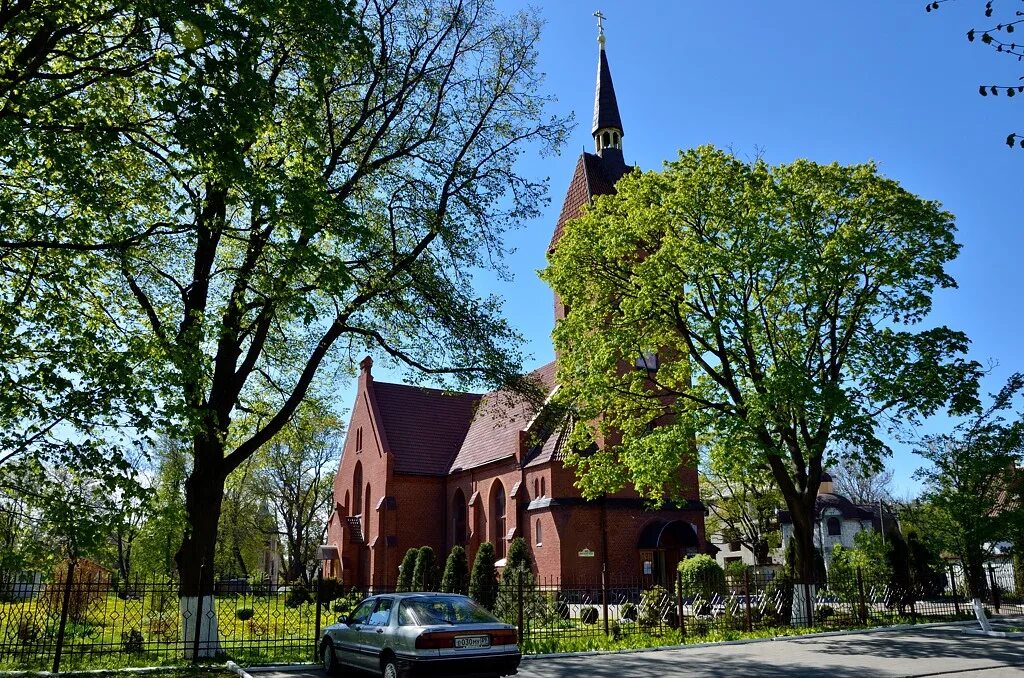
{"points": [[423, 426], [494, 432], [606, 108], [593, 176]]}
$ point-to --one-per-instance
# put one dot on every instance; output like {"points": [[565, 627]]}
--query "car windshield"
{"points": [[426, 611]]}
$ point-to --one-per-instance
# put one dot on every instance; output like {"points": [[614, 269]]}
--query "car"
{"points": [[402, 635]]}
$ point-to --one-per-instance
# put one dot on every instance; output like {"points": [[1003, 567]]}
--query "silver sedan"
{"points": [[421, 634]]}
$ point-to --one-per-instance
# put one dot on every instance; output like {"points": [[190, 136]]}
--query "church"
{"points": [[424, 467]]}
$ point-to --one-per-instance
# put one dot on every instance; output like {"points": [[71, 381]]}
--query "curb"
{"points": [[264, 668], [99, 673], [237, 670], [745, 641]]}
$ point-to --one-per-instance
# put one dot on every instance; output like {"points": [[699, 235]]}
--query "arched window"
{"points": [[543, 489], [536, 487], [459, 518], [366, 508], [537, 533], [835, 528], [498, 519], [347, 504], [606, 140], [357, 489]]}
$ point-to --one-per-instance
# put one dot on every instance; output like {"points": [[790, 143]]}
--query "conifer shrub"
{"points": [[456, 572], [628, 612], [483, 582], [588, 614], [405, 570], [423, 575]]}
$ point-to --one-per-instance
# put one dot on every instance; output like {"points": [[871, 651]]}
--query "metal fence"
{"points": [[82, 619]]}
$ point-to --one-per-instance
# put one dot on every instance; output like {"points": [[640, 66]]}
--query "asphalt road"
{"points": [[943, 651]]}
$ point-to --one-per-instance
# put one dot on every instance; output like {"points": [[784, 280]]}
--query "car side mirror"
{"points": [[343, 619]]}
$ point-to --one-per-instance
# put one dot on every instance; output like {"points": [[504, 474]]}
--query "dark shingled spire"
{"points": [[606, 108]]}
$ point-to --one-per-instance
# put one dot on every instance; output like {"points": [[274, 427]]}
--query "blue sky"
{"points": [[871, 80]]}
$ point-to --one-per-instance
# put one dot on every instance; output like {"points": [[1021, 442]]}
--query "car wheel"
{"points": [[327, 658], [390, 668]]}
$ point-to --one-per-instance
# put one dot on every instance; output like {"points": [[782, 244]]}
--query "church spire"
{"points": [[607, 128]]}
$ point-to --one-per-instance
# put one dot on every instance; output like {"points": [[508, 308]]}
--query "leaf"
{"points": [[1009, 28], [970, 35], [1010, 140], [982, 91], [986, 38], [994, 90], [1010, 92]]}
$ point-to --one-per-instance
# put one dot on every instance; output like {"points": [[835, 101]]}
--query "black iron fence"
{"points": [[85, 619]]}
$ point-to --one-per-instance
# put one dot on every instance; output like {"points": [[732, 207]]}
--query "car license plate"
{"points": [[472, 641]]}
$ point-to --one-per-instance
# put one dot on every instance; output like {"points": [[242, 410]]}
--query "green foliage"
{"points": [[423, 574], [745, 265], [483, 582], [588, 614], [406, 570], [298, 594], [701, 576], [628, 611], [735, 570], [244, 613], [456, 572], [518, 557], [971, 497], [742, 503], [927, 569], [654, 602]]}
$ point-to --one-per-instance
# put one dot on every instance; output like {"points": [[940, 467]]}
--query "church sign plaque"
{"points": [[586, 553]]}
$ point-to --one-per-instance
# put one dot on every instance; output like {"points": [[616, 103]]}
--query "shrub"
{"points": [[423, 575], [653, 605], [298, 594], [616, 629], [330, 589], [823, 612], [483, 583], [519, 557], [702, 576], [735, 571], [244, 613], [88, 586], [456, 572], [628, 611], [28, 631], [132, 643], [588, 614], [405, 570]]}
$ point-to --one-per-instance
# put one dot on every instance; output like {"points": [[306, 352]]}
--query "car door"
{"points": [[349, 639], [378, 626]]}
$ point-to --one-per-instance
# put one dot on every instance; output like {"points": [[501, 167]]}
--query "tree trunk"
{"points": [[803, 532], [761, 552], [204, 492]]}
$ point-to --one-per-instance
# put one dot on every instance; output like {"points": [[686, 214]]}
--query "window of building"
{"points": [[498, 519], [459, 519], [536, 487], [357, 489], [835, 528], [734, 546], [543, 489], [537, 533], [647, 360]]}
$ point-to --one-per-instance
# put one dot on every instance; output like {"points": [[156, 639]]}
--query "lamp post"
{"points": [[324, 553]]}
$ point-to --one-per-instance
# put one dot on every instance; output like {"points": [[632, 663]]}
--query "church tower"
{"points": [[595, 173]]}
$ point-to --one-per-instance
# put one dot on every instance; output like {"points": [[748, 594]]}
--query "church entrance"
{"points": [[662, 544]]}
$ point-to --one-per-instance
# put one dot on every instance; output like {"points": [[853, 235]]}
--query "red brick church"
{"points": [[428, 467]]}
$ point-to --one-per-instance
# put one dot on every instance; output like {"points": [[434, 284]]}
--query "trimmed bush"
{"points": [[653, 605], [132, 643], [297, 595], [423, 576], [518, 557], [405, 570], [483, 582], [456, 572], [244, 613], [588, 614], [701, 576], [628, 612]]}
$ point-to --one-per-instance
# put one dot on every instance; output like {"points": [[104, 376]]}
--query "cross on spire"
{"points": [[600, 27]]}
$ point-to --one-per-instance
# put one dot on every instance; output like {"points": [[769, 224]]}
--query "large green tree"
{"points": [[290, 183], [743, 505], [780, 303], [972, 483]]}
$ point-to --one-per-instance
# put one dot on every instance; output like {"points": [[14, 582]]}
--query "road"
{"points": [[941, 651]]}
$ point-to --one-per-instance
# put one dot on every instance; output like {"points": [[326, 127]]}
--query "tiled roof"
{"points": [[494, 433], [594, 175], [606, 108], [424, 426]]}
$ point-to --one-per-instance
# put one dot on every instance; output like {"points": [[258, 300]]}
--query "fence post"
{"points": [[319, 597], [199, 614], [679, 603], [604, 597], [861, 598], [64, 605], [952, 588], [519, 604], [746, 596], [994, 586]]}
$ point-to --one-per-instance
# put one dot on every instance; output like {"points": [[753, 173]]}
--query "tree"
{"points": [[406, 570], [742, 506], [423, 574], [969, 481], [926, 566], [483, 581], [702, 576], [456, 572], [297, 469], [999, 37], [781, 303], [860, 484], [324, 178]]}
